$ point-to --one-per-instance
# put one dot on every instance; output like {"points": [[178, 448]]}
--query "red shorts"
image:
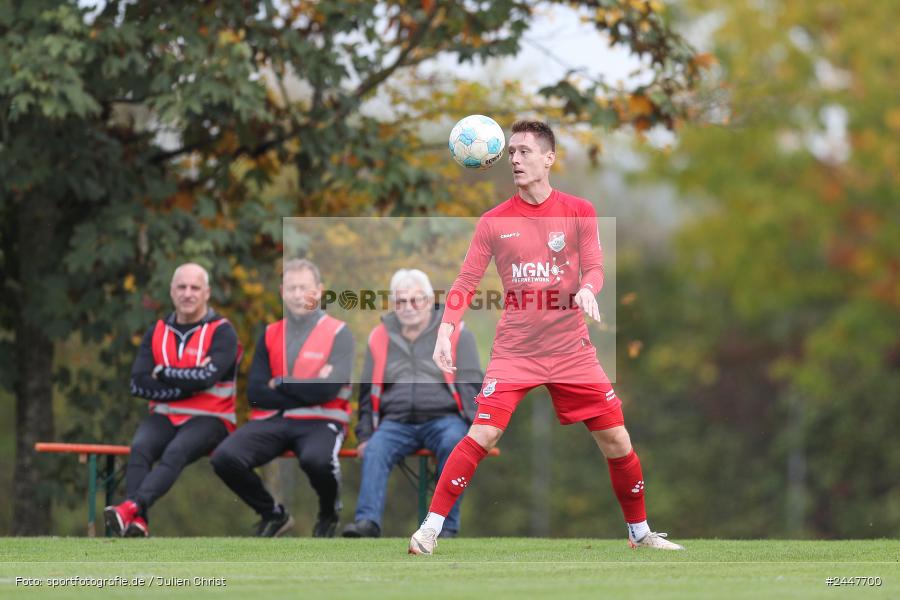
{"points": [[579, 388]]}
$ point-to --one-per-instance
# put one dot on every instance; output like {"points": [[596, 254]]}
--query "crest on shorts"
{"points": [[557, 240], [489, 386]]}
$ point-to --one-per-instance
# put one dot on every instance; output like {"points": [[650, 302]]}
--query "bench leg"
{"points": [[110, 480], [92, 495], [423, 488]]}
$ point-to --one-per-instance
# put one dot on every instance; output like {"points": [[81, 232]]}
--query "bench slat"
{"points": [[104, 449]]}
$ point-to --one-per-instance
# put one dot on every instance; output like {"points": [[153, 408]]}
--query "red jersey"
{"points": [[544, 255]]}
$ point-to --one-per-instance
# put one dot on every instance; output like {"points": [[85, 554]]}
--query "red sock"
{"points": [[457, 474], [628, 484]]}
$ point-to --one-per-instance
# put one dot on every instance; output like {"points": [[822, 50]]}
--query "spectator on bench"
{"points": [[406, 402], [186, 367], [299, 390]]}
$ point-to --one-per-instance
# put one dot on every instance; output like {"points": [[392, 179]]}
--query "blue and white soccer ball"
{"points": [[476, 142]]}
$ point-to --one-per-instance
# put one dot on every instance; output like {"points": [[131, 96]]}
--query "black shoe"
{"points": [[275, 525], [362, 528], [325, 525], [447, 533]]}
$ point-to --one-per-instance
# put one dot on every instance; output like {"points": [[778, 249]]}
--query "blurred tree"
{"points": [[789, 279], [135, 135]]}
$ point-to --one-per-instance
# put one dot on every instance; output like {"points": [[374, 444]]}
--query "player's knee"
{"points": [[621, 445], [487, 436], [613, 442]]}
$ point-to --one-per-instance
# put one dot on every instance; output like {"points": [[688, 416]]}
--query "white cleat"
{"points": [[655, 540], [423, 541]]}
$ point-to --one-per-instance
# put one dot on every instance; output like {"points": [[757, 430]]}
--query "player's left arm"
{"points": [[591, 258]]}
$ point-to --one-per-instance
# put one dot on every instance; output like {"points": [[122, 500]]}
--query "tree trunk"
{"points": [[34, 364], [34, 423]]}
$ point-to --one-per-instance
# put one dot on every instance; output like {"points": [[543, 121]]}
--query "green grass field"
{"points": [[481, 568]]}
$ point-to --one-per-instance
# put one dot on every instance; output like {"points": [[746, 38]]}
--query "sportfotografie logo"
{"points": [[525, 299]]}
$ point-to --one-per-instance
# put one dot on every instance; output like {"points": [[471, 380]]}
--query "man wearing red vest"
{"points": [[299, 390], [186, 367], [405, 402]]}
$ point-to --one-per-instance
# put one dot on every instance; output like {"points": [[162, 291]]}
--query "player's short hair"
{"points": [[405, 278], [302, 264], [540, 130]]}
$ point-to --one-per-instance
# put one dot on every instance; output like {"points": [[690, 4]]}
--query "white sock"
{"points": [[637, 531], [433, 521]]}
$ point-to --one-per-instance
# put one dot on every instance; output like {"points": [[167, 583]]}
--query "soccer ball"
{"points": [[476, 142]]}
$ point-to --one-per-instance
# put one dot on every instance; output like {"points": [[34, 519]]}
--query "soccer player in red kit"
{"points": [[546, 248]]}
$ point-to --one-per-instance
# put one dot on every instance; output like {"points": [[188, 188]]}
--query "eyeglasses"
{"points": [[417, 302]]}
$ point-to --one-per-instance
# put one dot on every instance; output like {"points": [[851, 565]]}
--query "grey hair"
{"points": [[301, 264], [190, 264], [404, 277]]}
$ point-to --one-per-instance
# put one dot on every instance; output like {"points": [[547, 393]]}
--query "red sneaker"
{"points": [[137, 528], [120, 516]]}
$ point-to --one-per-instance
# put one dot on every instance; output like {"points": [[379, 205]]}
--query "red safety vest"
{"points": [[379, 340], [215, 401], [312, 357]]}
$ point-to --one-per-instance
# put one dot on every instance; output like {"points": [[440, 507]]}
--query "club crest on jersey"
{"points": [[489, 386], [557, 240]]}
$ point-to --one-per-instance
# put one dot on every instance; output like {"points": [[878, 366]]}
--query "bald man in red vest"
{"points": [[299, 390], [185, 367]]}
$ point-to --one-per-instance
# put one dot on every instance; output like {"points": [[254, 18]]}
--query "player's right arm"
{"points": [[478, 257], [443, 350]]}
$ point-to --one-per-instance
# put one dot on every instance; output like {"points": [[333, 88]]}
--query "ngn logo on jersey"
{"points": [[531, 272]]}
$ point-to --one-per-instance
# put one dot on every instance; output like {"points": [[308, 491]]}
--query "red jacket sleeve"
{"points": [[478, 257]]}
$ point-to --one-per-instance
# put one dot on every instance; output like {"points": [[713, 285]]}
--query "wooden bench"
{"points": [[88, 453]]}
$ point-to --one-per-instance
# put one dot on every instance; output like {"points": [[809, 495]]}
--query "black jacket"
{"points": [[414, 389], [176, 384], [299, 393]]}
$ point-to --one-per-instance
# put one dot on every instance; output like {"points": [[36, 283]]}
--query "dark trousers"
{"points": [[315, 442], [172, 449]]}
